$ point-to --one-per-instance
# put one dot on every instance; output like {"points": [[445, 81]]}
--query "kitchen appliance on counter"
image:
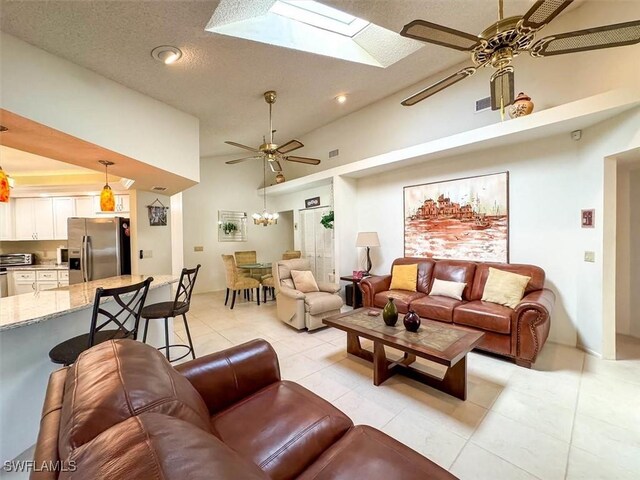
{"points": [[98, 248], [62, 256], [16, 259]]}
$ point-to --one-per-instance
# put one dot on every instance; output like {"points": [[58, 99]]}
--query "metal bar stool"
{"points": [[130, 299], [166, 310]]}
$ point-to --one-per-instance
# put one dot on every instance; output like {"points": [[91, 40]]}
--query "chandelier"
{"points": [[265, 218]]}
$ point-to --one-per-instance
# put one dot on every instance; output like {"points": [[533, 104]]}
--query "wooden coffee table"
{"points": [[438, 342]]}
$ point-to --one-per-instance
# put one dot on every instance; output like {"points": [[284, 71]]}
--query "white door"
{"points": [[25, 229], [62, 210], [317, 243]]}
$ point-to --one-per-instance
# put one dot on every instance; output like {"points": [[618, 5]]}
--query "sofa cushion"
{"points": [[404, 277], [303, 281], [456, 271], [282, 428], [447, 289], [504, 288], [382, 457], [484, 315], [320, 302], [435, 307], [482, 272], [154, 446], [402, 298], [116, 380]]}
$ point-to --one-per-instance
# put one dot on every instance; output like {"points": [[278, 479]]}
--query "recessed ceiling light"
{"points": [[341, 98], [166, 54]]}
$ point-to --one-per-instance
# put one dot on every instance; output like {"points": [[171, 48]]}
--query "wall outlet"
{"points": [[148, 253], [198, 249], [589, 256]]}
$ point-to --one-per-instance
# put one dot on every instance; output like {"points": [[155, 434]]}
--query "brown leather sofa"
{"points": [[123, 412], [517, 333]]}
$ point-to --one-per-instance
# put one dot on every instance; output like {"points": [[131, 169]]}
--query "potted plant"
{"points": [[327, 220], [229, 228]]}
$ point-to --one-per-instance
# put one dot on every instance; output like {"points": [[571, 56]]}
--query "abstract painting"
{"points": [[462, 219]]}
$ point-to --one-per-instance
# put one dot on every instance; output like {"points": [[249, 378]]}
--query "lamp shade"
{"points": [[107, 200], [367, 239]]}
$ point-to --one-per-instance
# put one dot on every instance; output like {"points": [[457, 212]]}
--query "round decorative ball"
{"points": [[280, 178], [521, 106]]}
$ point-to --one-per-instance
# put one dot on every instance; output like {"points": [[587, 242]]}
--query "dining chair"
{"points": [[237, 283], [178, 307], [291, 254], [128, 301], [247, 257]]}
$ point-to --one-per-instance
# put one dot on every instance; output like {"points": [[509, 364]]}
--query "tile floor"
{"points": [[571, 417]]}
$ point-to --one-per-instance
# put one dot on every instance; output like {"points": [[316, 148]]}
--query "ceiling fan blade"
{"points": [[542, 12], [440, 35], [438, 86], [502, 88], [290, 146], [617, 35], [308, 161], [238, 160], [243, 146], [275, 166]]}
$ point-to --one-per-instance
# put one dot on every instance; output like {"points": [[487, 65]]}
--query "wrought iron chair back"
{"points": [[185, 287]]}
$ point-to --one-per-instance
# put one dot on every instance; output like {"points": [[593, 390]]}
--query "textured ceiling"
{"points": [[221, 79]]}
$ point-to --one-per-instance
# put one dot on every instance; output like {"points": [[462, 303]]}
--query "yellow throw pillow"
{"points": [[504, 288], [304, 281], [404, 277]]}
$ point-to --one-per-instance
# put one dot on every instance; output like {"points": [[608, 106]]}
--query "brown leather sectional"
{"points": [[123, 412], [518, 333]]}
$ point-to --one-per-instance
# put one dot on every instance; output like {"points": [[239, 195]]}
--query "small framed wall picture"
{"points": [[588, 218]]}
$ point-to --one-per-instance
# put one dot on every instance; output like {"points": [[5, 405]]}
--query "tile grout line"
{"points": [[575, 414]]}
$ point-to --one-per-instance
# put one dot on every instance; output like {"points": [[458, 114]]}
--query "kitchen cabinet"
{"points": [[29, 281], [33, 219], [63, 208], [85, 206], [6, 220]]}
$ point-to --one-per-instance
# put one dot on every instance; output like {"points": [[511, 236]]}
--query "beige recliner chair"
{"points": [[303, 310]]}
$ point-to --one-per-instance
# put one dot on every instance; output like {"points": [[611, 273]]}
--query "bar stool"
{"points": [[166, 310], [131, 306]]}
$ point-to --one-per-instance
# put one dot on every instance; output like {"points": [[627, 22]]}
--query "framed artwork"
{"points": [[588, 218], [463, 219], [157, 214], [232, 226]]}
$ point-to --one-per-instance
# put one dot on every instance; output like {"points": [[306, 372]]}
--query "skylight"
{"points": [[319, 16]]}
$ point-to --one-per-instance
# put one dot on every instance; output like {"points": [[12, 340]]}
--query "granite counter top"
{"points": [[28, 308], [37, 267]]}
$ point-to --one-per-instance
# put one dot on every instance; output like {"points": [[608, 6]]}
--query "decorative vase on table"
{"points": [[521, 106], [411, 321], [390, 313]]}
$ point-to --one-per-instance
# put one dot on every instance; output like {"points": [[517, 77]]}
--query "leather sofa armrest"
{"points": [[369, 286], [291, 293], [328, 287], [226, 377], [533, 321]]}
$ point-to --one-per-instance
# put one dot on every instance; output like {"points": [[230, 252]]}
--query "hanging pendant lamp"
{"points": [[107, 199], [265, 218], [4, 186]]}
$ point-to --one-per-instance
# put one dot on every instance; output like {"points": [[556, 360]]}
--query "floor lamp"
{"points": [[367, 240]]}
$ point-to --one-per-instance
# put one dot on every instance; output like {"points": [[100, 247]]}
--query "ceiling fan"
{"points": [[501, 42], [271, 152]]}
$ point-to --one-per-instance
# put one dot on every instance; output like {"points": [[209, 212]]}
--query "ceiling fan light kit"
{"points": [[499, 44], [269, 151]]}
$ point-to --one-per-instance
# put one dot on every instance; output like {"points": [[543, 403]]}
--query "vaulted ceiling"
{"points": [[220, 79]]}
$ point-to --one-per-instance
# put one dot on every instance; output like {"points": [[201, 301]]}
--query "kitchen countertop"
{"points": [[29, 308], [36, 267]]}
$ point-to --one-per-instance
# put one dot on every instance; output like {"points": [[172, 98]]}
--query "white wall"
{"points": [[228, 187], [386, 125], [62, 95], [623, 251], [634, 321], [156, 239]]}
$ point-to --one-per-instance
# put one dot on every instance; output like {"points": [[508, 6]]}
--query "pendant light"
{"points": [[4, 186], [107, 200], [265, 218]]}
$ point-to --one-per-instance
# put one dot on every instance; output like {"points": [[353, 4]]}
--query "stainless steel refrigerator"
{"points": [[98, 248]]}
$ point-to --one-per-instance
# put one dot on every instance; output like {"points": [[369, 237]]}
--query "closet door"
{"points": [[317, 243], [307, 237]]}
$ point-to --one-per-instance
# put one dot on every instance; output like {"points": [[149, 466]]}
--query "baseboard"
{"points": [[589, 351]]}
